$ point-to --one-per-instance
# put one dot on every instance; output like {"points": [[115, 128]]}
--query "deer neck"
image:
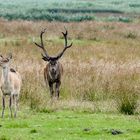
{"points": [[5, 74], [54, 76]]}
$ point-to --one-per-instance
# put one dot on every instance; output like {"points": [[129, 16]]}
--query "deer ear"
{"points": [[45, 59], [10, 56], [1, 56]]}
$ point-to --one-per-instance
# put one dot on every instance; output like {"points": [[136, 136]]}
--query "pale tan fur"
{"points": [[10, 84], [14, 83]]}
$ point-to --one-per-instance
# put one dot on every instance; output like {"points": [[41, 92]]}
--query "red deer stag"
{"points": [[10, 84], [53, 70]]}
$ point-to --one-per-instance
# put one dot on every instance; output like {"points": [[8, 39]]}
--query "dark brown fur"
{"points": [[51, 81], [53, 70], [12, 70]]}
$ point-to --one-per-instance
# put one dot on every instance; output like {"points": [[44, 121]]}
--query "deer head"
{"points": [[4, 61], [53, 60]]}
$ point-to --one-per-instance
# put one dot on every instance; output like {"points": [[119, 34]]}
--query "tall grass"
{"points": [[103, 70]]}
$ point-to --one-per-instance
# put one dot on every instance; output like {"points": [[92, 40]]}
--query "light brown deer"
{"points": [[10, 84], [53, 70]]}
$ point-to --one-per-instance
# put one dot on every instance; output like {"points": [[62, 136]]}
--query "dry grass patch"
{"points": [[93, 68]]}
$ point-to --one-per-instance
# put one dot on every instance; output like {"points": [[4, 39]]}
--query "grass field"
{"points": [[69, 125], [74, 10], [100, 91]]}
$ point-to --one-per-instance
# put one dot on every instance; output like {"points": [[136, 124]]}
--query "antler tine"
{"points": [[65, 46], [42, 45], [65, 37], [41, 37]]}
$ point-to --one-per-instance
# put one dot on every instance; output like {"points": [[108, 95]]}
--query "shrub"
{"points": [[126, 98], [131, 35], [134, 5], [125, 19], [3, 137], [33, 131]]}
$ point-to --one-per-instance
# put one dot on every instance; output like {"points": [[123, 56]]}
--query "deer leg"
{"points": [[57, 89], [10, 105], [16, 105], [51, 89], [3, 105]]}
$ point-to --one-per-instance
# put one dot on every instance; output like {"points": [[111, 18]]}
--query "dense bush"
{"points": [[126, 98]]}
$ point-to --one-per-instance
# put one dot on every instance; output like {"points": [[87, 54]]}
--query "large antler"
{"points": [[66, 46], [46, 57]]}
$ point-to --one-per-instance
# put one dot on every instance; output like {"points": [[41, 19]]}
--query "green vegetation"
{"points": [[66, 11], [69, 125], [99, 87]]}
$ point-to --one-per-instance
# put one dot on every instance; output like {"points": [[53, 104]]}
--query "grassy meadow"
{"points": [[101, 79], [99, 95], [69, 125]]}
